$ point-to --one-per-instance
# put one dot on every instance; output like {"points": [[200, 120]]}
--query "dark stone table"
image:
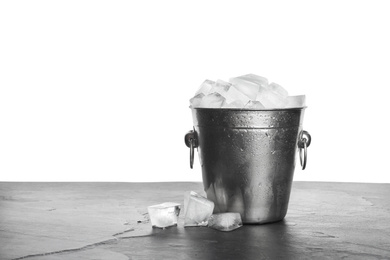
{"points": [[110, 221]]}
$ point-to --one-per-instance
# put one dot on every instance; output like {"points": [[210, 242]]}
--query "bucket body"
{"points": [[248, 159]]}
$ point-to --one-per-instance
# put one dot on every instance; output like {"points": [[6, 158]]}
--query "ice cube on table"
{"points": [[296, 101], [254, 105], [213, 100], [197, 100], [205, 87], [164, 214], [197, 209], [225, 221]]}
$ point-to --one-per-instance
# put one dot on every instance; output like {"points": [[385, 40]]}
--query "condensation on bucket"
{"points": [[248, 159]]}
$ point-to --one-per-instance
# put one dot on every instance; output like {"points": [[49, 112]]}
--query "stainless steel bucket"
{"points": [[248, 158]]}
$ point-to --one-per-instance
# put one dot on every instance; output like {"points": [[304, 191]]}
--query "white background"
{"points": [[98, 90]]}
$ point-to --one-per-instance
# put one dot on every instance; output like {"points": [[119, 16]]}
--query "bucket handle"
{"points": [[304, 141], [191, 140]]}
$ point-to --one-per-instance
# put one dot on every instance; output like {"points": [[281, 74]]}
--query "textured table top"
{"points": [[110, 221]]}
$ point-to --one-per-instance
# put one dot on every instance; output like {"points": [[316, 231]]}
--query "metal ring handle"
{"points": [[304, 141], [191, 152], [191, 140], [304, 159]]}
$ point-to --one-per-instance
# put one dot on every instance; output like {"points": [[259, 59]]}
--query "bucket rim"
{"points": [[248, 109]]}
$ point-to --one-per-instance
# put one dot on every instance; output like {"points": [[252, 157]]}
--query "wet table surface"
{"points": [[110, 221]]}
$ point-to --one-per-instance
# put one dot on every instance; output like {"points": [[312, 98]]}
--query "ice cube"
{"points": [[164, 214], [254, 105], [261, 81], [273, 96], [271, 99], [234, 94], [213, 100], [296, 101], [220, 87], [278, 90], [205, 87], [225, 221], [197, 209], [254, 79], [197, 100], [234, 104], [248, 88]]}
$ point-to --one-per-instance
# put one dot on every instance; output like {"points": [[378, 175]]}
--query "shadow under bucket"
{"points": [[248, 158]]}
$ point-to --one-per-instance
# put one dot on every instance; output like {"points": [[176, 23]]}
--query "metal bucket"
{"points": [[248, 158]]}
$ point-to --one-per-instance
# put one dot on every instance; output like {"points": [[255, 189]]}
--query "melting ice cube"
{"points": [[197, 209], [164, 214], [225, 221]]}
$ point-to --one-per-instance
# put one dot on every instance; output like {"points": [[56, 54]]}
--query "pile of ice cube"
{"points": [[246, 92], [198, 212]]}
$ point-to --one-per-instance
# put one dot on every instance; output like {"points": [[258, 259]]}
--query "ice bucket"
{"points": [[248, 158]]}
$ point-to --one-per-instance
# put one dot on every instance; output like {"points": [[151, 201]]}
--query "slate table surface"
{"points": [[69, 220]]}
